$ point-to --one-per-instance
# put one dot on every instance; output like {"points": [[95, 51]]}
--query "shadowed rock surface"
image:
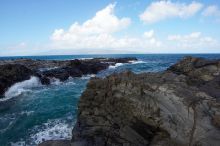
{"points": [[177, 107]]}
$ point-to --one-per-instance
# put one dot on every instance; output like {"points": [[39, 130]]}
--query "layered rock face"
{"points": [[177, 107]]}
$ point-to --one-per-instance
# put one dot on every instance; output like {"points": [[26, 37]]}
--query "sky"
{"points": [[67, 27]]}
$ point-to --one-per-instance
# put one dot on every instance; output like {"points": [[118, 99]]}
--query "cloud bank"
{"points": [[103, 33], [100, 31], [160, 10]]}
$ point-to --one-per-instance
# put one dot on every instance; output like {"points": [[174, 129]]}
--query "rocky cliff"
{"points": [[177, 107]]}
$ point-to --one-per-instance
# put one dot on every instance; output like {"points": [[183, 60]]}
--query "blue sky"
{"points": [[46, 27]]}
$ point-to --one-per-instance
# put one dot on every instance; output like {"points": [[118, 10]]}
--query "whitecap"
{"points": [[21, 87], [116, 65], [53, 130], [55, 81], [27, 113], [70, 81], [85, 58], [137, 62], [49, 68], [86, 77]]}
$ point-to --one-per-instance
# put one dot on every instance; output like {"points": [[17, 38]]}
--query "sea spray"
{"points": [[116, 65], [137, 62], [55, 81], [21, 87]]}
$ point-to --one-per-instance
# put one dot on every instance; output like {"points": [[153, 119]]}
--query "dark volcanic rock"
{"points": [[91, 67], [171, 108], [77, 68], [12, 73], [36, 64], [205, 74], [155, 109]]}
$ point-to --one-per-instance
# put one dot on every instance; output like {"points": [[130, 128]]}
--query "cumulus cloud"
{"points": [[99, 33], [161, 10], [104, 22], [211, 11], [194, 40]]}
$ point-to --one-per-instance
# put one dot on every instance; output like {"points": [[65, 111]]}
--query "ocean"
{"points": [[40, 112]]}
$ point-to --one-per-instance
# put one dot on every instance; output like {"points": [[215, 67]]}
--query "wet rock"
{"points": [[12, 73]]}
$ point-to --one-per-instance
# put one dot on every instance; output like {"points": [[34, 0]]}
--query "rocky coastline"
{"points": [[176, 107], [18, 70]]}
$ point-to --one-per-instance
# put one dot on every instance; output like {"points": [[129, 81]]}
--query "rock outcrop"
{"points": [[177, 107], [13, 71]]}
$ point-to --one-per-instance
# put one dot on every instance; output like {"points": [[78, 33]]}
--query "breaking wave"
{"points": [[52, 130], [21, 87], [116, 65], [86, 77], [137, 62], [55, 81]]}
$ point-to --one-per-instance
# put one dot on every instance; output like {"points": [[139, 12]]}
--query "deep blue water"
{"points": [[49, 112]]}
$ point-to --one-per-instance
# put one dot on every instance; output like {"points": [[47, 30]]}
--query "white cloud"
{"points": [[99, 33], [149, 34], [211, 11], [103, 22], [161, 10], [194, 40]]}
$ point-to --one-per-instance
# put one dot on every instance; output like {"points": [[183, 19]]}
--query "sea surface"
{"points": [[39, 112]]}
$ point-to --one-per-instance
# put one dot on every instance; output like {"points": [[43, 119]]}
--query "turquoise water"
{"points": [[49, 112]]}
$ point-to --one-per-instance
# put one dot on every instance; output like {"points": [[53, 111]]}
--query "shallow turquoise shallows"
{"points": [[49, 112]]}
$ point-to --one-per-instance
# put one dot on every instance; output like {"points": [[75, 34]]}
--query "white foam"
{"points": [[70, 81], [21, 87], [116, 65], [86, 77], [27, 113], [85, 58], [53, 130], [55, 81], [137, 62], [46, 69]]}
